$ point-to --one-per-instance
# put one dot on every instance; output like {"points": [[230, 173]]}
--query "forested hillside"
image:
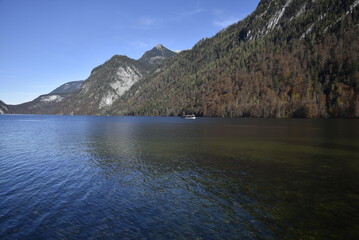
{"points": [[290, 58]]}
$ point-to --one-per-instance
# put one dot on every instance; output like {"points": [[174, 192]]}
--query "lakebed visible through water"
{"points": [[87, 177]]}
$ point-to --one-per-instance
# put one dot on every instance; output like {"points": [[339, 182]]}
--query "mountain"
{"points": [[45, 104], [67, 88], [105, 85], [289, 58], [156, 55], [3, 108], [96, 94]]}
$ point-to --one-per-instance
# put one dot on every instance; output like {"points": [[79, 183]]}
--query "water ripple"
{"points": [[79, 177]]}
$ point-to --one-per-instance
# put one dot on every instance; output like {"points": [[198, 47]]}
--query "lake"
{"points": [[91, 177]]}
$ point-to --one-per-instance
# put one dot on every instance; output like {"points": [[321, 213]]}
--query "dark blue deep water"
{"points": [[87, 177]]}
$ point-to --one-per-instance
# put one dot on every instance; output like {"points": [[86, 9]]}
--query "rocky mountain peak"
{"points": [[156, 55], [159, 47]]}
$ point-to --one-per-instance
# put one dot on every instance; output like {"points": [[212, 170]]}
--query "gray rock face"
{"points": [[106, 84], [3, 108]]}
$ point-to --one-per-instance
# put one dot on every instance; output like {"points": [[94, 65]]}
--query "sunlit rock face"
{"points": [[3, 108], [109, 81], [105, 85]]}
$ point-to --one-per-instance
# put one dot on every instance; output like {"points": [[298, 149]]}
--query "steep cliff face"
{"points": [[297, 18], [106, 83], [3, 108], [289, 58]]}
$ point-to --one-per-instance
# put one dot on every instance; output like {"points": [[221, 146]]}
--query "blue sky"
{"points": [[45, 43]]}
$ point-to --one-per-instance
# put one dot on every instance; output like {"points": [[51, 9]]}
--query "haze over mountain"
{"points": [[69, 87], [45, 104], [289, 58]]}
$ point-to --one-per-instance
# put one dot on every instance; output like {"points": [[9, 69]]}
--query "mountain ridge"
{"points": [[68, 87], [277, 62], [106, 83], [289, 58]]}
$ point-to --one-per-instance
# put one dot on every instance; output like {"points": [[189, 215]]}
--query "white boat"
{"points": [[189, 116]]}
